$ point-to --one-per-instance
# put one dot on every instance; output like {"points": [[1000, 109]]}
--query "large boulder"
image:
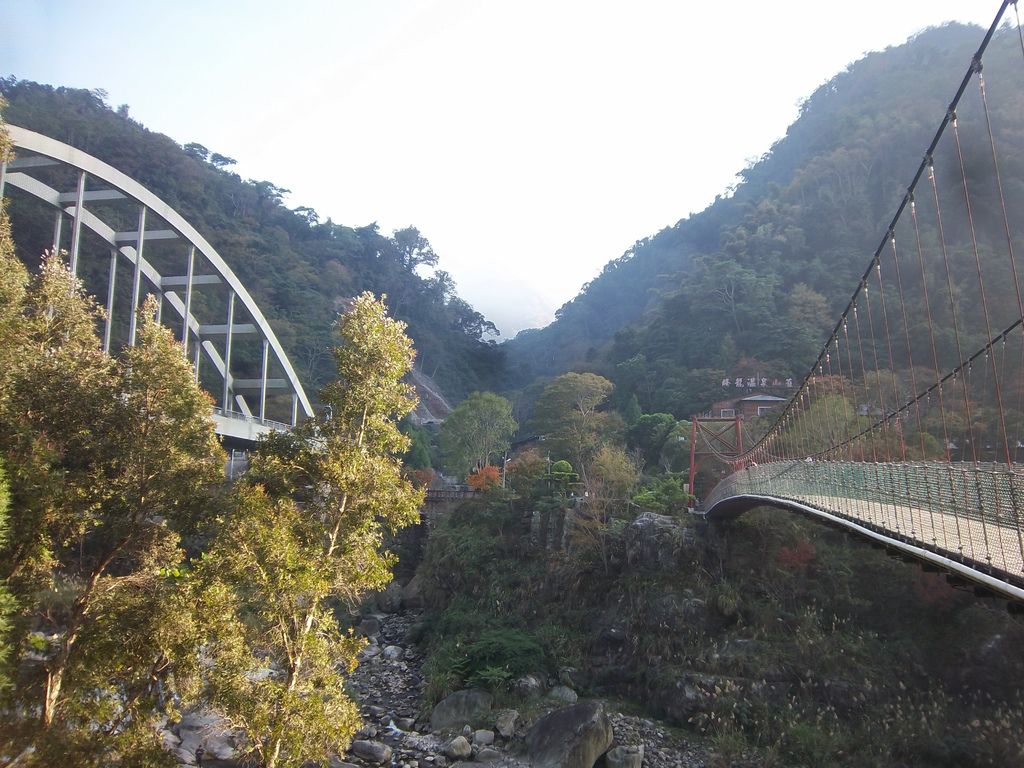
{"points": [[371, 751], [631, 756], [506, 723], [460, 708], [458, 749], [574, 737], [563, 694], [658, 541], [390, 600], [528, 687], [412, 594]]}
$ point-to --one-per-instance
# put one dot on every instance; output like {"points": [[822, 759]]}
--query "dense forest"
{"points": [[300, 270], [753, 284]]}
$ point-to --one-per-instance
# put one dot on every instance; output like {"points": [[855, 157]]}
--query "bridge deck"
{"points": [[982, 541], [964, 513]]}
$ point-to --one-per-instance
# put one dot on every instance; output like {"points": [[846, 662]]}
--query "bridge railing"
{"points": [[278, 425], [970, 513]]}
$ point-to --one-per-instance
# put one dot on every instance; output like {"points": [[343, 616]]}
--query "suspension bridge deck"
{"points": [[962, 517]]}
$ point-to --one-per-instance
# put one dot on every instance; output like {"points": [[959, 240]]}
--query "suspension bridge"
{"points": [[908, 428], [124, 242]]}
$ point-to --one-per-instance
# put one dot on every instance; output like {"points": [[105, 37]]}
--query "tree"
{"points": [[567, 413], [649, 433], [413, 248], [611, 478], [418, 455], [675, 451], [304, 532], [477, 430], [485, 478], [109, 462], [525, 472], [7, 604]]}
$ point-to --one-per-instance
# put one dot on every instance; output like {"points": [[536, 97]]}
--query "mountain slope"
{"points": [[762, 273]]}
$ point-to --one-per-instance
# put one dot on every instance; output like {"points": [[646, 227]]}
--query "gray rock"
{"points": [[458, 749], [369, 627], [528, 687], [483, 738], [405, 723], [337, 762], [220, 746], [567, 676], [655, 541], [563, 694], [390, 600], [461, 707], [488, 755], [574, 737], [371, 751], [370, 652], [169, 739], [625, 756], [412, 594], [506, 723], [393, 652], [197, 721]]}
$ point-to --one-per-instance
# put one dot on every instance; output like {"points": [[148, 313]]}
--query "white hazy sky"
{"points": [[530, 140]]}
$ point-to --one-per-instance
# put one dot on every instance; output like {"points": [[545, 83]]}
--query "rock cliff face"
{"points": [[747, 628], [433, 407]]}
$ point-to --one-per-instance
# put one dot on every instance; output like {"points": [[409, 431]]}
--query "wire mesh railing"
{"points": [[968, 512]]}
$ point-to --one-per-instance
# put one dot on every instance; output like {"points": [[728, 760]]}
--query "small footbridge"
{"points": [[908, 428], [124, 242]]}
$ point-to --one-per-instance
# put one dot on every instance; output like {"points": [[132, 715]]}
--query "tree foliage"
{"points": [[761, 275], [568, 415], [109, 463], [476, 431], [304, 533]]}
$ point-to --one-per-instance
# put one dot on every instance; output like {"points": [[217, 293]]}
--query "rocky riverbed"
{"points": [[398, 732], [388, 684]]}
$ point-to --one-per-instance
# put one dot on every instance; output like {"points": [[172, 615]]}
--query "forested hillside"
{"points": [[301, 270], [754, 283]]}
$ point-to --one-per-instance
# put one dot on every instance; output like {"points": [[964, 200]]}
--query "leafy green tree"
{"points": [[664, 493], [648, 435], [477, 429], [303, 533], [418, 455], [568, 414], [631, 411], [612, 475], [675, 451], [109, 461], [7, 604]]}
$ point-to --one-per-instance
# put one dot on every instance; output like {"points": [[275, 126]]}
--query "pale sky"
{"points": [[531, 141]]}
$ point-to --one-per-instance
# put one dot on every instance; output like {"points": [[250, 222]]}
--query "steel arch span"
{"points": [[167, 257]]}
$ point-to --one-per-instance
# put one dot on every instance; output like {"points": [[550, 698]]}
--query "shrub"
{"points": [[500, 655], [484, 479]]}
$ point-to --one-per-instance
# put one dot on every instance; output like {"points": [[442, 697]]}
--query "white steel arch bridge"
{"points": [[146, 247]]}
